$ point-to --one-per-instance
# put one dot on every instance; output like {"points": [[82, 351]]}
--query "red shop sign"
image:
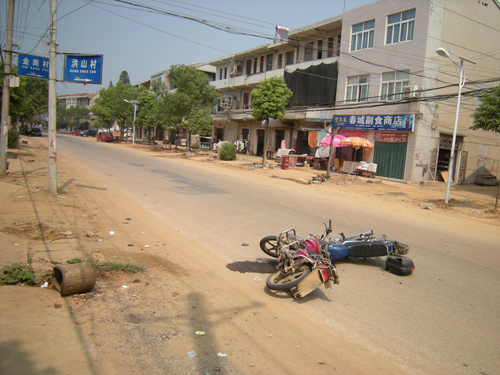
{"points": [[391, 137], [352, 133]]}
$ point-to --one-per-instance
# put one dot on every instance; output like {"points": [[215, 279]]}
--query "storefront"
{"points": [[388, 133]]}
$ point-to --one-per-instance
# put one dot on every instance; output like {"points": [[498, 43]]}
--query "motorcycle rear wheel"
{"points": [[277, 282], [269, 245]]}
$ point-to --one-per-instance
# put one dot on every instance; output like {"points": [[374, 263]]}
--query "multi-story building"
{"points": [[375, 72], [72, 100]]}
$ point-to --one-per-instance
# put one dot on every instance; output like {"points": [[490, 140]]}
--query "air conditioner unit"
{"points": [[410, 91]]}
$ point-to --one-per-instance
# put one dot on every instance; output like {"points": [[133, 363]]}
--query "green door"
{"points": [[390, 159]]}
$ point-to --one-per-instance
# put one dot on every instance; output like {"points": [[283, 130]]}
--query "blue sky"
{"points": [[143, 43]]}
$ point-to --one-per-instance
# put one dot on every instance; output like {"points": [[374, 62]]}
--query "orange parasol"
{"points": [[356, 142]]}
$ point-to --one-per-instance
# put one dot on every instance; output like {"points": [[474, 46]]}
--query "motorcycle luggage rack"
{"points": [[288, 240]]}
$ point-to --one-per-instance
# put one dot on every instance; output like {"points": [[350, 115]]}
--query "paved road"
{"points": [[443, 319]]}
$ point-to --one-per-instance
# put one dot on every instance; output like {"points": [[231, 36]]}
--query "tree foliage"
{"points": [[111, 106], [76, 117], [269, 99], [487, 114], [124, 78], [28, 100], [190, 106]]}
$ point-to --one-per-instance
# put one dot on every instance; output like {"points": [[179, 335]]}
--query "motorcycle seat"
{"points": [[366, 249]]}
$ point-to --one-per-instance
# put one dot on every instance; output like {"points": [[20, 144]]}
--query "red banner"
{"points": [[391, 137]]}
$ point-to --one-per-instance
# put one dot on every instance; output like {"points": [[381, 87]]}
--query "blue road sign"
{"points": [[83, 68], [33, 66]]}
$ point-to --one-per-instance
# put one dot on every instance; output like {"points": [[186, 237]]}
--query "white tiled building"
{"points": [[375, 71]]}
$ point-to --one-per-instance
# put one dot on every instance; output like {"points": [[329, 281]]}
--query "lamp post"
{"points": [[442, 52], [134, 103]]}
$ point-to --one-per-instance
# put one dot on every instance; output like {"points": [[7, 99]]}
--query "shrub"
{"points": [[227, 151], [17, 274], [12, 139]]}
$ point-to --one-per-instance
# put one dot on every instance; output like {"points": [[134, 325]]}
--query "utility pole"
{"points": [[4, 125], [52, 100]]}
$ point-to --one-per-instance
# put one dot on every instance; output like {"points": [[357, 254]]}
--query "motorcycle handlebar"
{"points": [[361, 235]]}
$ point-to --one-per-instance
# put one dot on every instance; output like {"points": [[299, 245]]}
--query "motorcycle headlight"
{"points": [[400, 248]]}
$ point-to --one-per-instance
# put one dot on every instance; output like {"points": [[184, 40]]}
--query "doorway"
{"points": [[280, 136], [219, 135], [260, 141], [390, 159]]}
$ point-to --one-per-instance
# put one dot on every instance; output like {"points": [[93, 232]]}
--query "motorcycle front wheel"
{"points": [[269, 245], [279, 282]]}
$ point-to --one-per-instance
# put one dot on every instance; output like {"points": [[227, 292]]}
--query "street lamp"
{"points": [[134, 103], [442, 52]]}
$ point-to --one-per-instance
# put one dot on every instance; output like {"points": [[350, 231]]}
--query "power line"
{"points": [[162, 31], [225, 28]]}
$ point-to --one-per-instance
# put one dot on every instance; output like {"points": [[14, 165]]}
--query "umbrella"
{"points": [[356, 142], [325, 142]]}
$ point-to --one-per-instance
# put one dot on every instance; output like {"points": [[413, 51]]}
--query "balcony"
{"points": [[252, 80]]}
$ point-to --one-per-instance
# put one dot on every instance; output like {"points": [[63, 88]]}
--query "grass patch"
{"points": [[112, 266]]}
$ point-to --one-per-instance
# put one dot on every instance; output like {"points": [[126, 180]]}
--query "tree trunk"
{"points": [[266, 138], [332, 134]]}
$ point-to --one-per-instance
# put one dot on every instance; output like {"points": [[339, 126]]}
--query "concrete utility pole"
{"points": [[4, 126], [52, 100]]}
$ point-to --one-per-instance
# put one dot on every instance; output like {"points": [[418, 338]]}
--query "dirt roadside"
{"points": [[146, 323]]}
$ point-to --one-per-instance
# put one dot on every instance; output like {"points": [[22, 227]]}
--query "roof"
{"points": [[77, 96]]}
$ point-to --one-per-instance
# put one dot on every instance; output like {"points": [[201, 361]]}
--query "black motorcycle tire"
{"points": [[269, 245], [275, 282]]}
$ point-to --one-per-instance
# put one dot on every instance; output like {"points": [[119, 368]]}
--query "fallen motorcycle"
{"points": [[362, 245], [304, 265]]}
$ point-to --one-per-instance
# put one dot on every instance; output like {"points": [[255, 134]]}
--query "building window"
{"points": [[225, 73], [269, 62], [290, 57], [362, 35], [248, 68], [255, 65], [400, 27], [320, 49], [308, 51], [246, 100], [357, 88], [280, 61], [261, 64], [392, 85]]}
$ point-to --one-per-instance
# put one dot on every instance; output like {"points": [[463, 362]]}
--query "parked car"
{"points": [[104, 137], [90, 133], [23, 130], [35, 132], [76, 132]]}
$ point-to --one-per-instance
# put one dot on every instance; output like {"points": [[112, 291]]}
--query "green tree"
{"points": [[78, 115], [37, 97], [111, 107], [190, 106], [148, 115], [487, 114], [124, 78], [28, 100], [62, 118], [487, 117], [269, 99]]}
